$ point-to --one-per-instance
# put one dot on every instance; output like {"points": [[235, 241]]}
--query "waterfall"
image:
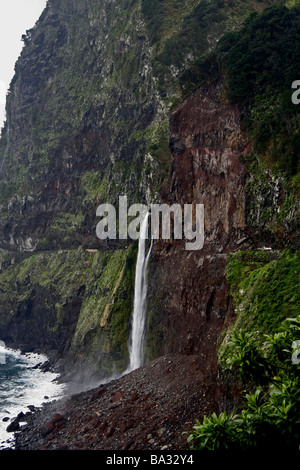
{"points": [[136, 347]]}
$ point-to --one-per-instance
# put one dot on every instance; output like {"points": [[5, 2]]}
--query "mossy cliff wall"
{"points": [[71, 304], [109, 99]]}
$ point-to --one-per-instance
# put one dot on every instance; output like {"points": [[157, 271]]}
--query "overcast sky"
{"points": [[16, 16]]}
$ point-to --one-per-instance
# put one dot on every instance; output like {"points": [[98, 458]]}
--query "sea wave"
{"points": [[22, 385]]}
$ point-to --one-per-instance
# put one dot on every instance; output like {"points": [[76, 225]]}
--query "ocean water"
{"points": [[22, 386]]}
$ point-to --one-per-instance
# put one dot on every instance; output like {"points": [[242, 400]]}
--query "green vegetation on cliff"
{"points": [[259, 63], [265, 290], [260, 349], [184, 31], [87, 291], [103, 326]]}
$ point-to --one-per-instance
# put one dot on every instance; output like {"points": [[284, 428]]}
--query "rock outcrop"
{"points": [[191, 308]]}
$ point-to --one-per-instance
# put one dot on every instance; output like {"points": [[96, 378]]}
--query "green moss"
{"points": [[62, 270], [121, 309], [57, 275], [94, 185], [102, 329], [241, 264], [66, 222], [104, 275], [292, 3], [265, 290], [159, 143], [7, 191], [103, 326], [165, 18]]}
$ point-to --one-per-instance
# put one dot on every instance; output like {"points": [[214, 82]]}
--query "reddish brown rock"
{"points": [[58, 417], [190, 307], [98, 393], [116, 397], [123, 427], [102, 428], [46, 429], [110, 431]]}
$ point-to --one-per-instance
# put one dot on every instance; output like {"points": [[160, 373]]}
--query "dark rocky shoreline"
{"points": [[151, 408]]}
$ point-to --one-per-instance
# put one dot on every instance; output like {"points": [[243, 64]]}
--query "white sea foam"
{"points": [[21, 386]]}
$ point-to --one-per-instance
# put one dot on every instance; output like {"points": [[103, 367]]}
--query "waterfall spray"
{"points": [[136, 346]]}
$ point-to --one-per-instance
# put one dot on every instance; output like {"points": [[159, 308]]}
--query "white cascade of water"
{"points": [[136, 349]]}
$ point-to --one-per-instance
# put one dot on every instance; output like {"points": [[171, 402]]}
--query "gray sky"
{"points": [[16, 16]]}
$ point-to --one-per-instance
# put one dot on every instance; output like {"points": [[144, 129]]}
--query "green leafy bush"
{"points": [[216, 432], [270, 417], [246, 356]]}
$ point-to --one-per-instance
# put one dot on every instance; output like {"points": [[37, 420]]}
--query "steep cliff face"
{"points": [[81, 99], [206, 168], [98, 109], [82, 96]]}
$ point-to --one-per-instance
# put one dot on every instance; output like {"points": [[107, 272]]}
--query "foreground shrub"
{"points": [[270, 417]]}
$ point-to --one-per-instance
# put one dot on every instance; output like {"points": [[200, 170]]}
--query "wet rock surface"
{"points": [[150, 408]]}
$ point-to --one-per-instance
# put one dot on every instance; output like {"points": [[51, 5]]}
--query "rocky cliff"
{"points": [[127, 98], [206, 145]]}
